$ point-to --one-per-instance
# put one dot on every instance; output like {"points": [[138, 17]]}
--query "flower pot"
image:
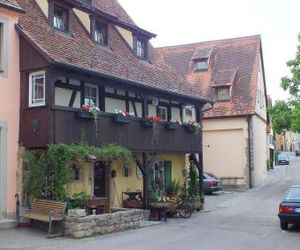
{"points": [[121, 119], [147, 123], [171, 125], [86, 115], [190, 129]]}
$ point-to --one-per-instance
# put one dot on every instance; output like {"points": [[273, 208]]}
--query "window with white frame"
{"points": [[90, 95], [162, 113], [37, 89]]}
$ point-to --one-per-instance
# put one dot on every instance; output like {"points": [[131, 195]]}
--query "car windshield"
{"points": [[282, 157], [293, 194]]}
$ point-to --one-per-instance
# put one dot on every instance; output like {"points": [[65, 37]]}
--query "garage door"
{"points": [[224, 152]]}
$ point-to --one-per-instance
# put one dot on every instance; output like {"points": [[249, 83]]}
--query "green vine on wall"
{"points": [[49, 169]]}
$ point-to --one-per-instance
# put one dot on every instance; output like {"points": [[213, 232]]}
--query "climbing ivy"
{"points": [[49, 169]]}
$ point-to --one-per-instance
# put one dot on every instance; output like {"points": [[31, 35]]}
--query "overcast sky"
{"points": [[179, 22]]}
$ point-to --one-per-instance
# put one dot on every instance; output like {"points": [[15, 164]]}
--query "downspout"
{"points": [[250, 160]]}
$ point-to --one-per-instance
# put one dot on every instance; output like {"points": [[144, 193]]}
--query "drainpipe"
{"points": [[250, 160]]}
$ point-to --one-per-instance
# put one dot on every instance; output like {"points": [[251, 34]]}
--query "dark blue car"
{"points": [[289, 208]]}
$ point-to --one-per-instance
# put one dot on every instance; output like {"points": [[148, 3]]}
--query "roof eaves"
{"points": [[13, 8]]}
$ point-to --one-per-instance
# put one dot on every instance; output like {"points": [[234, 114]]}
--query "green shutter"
{"points": [[168, 173]]}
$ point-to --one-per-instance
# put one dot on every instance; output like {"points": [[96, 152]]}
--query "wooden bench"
{"points": [[46, 211]]}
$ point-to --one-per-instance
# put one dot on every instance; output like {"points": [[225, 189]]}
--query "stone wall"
{"points": [[80, 227]]}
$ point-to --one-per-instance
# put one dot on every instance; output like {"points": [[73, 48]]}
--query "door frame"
{"points": [[3, 167]]}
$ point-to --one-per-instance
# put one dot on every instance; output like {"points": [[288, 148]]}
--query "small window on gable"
{"points": [[223, 94], [162, 113], [100, 33], [37, 89], [141, 48], [60, 18], [201, 64], [90, 95]]}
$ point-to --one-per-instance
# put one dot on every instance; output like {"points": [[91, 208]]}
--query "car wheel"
{"points": [[283, 225]]}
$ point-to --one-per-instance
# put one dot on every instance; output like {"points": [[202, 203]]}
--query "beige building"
{"points": [[231, 72]]}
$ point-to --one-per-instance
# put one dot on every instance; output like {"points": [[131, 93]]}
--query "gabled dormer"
{"points": [[222, 83], [201, 59]]}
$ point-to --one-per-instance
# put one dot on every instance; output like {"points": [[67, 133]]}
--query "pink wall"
{"points": [[9, 106]]}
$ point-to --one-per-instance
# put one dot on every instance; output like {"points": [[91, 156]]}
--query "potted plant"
{"points": [[172, 190], [173, 124], [151, 121], [123, 116], [192, 126], [89, 112], [76, 204]]}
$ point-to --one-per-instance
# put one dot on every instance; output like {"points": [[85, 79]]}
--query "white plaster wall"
{"points": [[138, 106], [44, 6], [63, 97], [151, 110], [175, 113], [261, 107], [260, 150]]}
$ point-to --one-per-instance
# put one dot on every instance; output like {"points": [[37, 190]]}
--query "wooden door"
{"points": [[99, 179]]}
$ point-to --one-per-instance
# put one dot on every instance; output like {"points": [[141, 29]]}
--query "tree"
{"points": [[292, 83], [295, 124], [281, 114]]}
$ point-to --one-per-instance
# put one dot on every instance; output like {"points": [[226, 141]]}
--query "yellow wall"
{"points": [[44, 6], [225, 149], [84, 18], [121, 183], [85, 182], [127, 35]]}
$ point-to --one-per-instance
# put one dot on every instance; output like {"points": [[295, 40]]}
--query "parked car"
{"points": [[297, 152], [211, 183], [283, 159], [289, 208]]}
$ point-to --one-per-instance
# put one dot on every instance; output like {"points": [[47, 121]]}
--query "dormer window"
{"points": [[223, 94], [141, 48], [60, 18], [201, 59], [100, 33], [201, 64]]}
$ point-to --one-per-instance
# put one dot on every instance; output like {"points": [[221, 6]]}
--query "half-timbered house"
{"points": [[83, 52]]}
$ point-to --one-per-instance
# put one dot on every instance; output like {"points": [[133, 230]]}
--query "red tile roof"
{"points": [[79, 51], [11, 4], [239, 57]]}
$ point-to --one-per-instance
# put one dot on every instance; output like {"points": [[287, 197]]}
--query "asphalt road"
{"points": [[245, 220]]}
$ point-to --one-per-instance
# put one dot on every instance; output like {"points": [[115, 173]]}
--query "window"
{"points": [[60, 18], [37, 89], [141, 48], [162, 112], [223, 94], [90, 97], [100, 33], [201, 65]]}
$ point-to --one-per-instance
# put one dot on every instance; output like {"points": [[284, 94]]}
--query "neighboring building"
{"points": [[231, 72], [9, 108], [90, 52], [288, 141]]}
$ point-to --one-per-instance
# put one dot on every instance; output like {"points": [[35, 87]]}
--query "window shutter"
{"points": [[168, 173]]}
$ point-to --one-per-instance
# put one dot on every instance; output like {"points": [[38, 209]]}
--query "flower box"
{"points": [[86, 115], [190, 129], [119, 118], [147, 123], [172, 125]]}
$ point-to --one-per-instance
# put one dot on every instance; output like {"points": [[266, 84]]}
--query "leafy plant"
{"points": [[49, 170], [77, 200], [173, 188]]}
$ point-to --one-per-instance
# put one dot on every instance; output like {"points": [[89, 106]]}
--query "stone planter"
{"points": [[77, 212]]}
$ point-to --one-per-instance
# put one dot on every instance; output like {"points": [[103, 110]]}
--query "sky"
{"points": [[180, 22]]}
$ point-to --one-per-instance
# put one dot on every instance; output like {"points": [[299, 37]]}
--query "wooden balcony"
{"points": [[69, 126]]}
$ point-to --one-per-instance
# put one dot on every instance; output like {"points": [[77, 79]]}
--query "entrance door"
{"points": [[99, 179]]}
